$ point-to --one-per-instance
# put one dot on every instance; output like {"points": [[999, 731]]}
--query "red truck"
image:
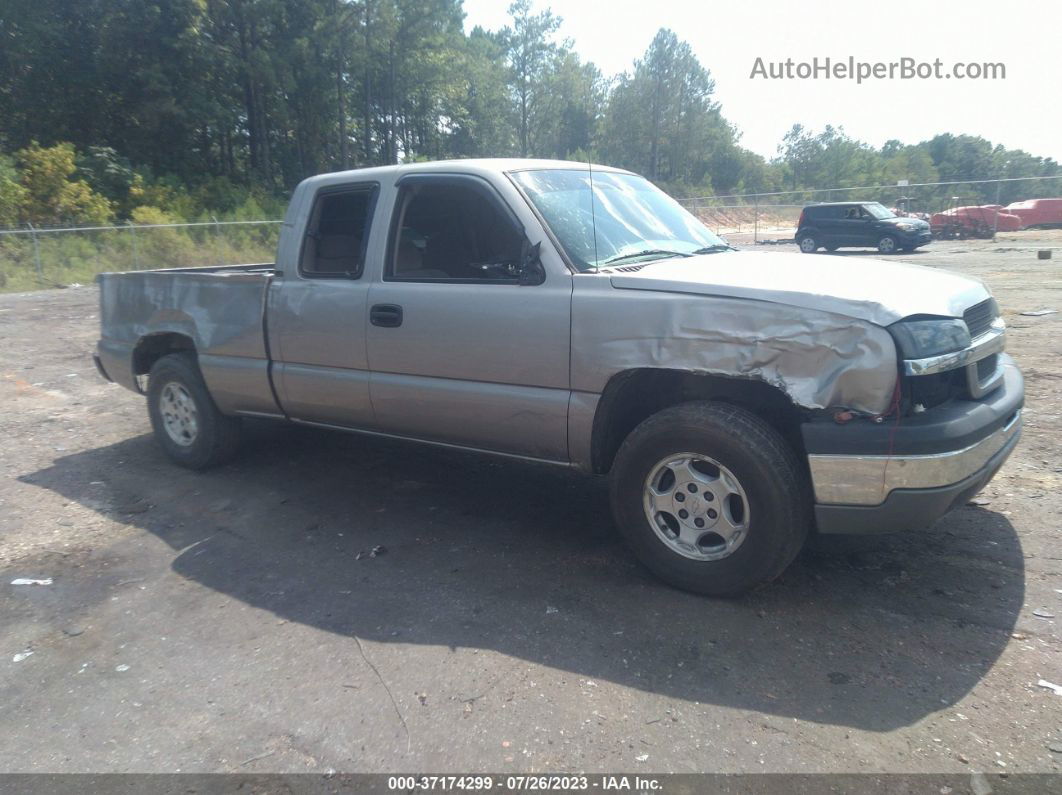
{"points": [[973, 221], [1042, 213]]}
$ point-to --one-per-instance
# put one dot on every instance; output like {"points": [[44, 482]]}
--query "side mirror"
{"points": [[531, 271]]}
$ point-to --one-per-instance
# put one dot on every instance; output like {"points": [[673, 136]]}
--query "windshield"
{"points": [[878, 211], [633, 218]]}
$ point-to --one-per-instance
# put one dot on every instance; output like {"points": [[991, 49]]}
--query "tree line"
{"points": [[184, 109]]}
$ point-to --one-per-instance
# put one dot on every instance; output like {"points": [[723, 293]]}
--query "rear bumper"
{"points": [[885, 477], [114, 361]]}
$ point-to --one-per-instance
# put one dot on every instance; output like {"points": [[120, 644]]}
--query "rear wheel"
{"points": [[187, 424], [710, 498], [808, 244], [888, 244]]}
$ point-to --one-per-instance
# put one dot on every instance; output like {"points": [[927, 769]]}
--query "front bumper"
{"points": [[886, 477], [915, 239]]}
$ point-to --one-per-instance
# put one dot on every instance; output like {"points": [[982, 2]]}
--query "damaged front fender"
{"points": [[818, 359]]}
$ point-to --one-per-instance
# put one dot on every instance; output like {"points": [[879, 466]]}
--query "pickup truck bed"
{"points": [[221, 309]]}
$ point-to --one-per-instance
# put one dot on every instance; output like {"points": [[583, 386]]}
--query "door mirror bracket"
{"points": [[531, 271]]}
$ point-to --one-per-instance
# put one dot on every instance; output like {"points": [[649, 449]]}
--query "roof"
{"points": [[478, 166]]}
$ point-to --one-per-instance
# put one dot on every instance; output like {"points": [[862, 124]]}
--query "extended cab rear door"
{"points": [[460, 351], [317, 308]]}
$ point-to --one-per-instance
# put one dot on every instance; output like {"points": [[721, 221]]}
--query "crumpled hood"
{"points": [[864, 288]]}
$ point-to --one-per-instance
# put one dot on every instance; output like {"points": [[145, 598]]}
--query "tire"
{"points": [[808, 244], [888, 244], [746, 451], [185, 419]]}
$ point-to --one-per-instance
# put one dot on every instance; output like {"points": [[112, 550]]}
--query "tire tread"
{"points": [[220, 434], [746, 430]]}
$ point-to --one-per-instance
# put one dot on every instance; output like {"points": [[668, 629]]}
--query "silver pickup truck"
{"points": [[555, 312]]}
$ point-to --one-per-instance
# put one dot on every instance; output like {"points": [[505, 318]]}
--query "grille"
{"points": [[979, 317]]}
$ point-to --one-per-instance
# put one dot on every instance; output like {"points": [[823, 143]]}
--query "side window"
{"points": [[453, 232], [828, 213], [338, 233]]}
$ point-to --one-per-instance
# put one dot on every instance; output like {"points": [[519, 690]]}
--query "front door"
{"points": [[460, 351], [850, 227]]}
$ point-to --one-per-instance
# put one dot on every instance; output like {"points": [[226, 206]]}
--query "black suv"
{"points": [[858, 224]]}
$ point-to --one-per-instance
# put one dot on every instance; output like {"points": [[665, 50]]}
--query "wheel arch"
{"points": [[152, 347], [632, 396]]}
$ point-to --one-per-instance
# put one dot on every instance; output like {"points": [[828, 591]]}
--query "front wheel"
{"points": [[187, 424], [710, 498], [888, 245]]}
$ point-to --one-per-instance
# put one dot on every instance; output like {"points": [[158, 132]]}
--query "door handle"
{"points": [[386, 315]]}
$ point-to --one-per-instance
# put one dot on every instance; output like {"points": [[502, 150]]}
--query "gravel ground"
{"points": [[225, 621]]}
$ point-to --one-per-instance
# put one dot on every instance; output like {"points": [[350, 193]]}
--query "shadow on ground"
{"points": [[873, 633]]}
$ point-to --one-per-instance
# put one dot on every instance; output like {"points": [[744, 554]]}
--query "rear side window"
{"points": [[825, 213], [338, 232]]}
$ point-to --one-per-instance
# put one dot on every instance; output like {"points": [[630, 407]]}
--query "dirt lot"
{"points": [[224, 621]]}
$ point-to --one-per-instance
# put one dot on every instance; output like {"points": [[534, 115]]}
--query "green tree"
{"points": [[662, 121], [483, 121], [565, 117], [51, 195], [12, 194], [200, 107], [529, 48], [911, 163]]}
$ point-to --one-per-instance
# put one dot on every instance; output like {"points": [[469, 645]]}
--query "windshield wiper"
{"points": [[715, 249], [660, 253]]}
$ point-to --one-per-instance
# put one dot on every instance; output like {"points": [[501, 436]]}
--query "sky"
{"points": [[1022, 111]]}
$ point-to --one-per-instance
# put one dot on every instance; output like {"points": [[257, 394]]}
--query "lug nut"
{"points": [[683, 514], [711, 513], [693, 488], [699, 522], [680, 497], [709, 496]]}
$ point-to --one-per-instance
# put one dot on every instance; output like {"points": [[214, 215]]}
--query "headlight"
{"points": [[907, 227], [919, 339]]}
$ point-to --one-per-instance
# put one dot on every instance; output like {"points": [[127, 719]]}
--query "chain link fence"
{"points": [[991, 206], [34, 257]]}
